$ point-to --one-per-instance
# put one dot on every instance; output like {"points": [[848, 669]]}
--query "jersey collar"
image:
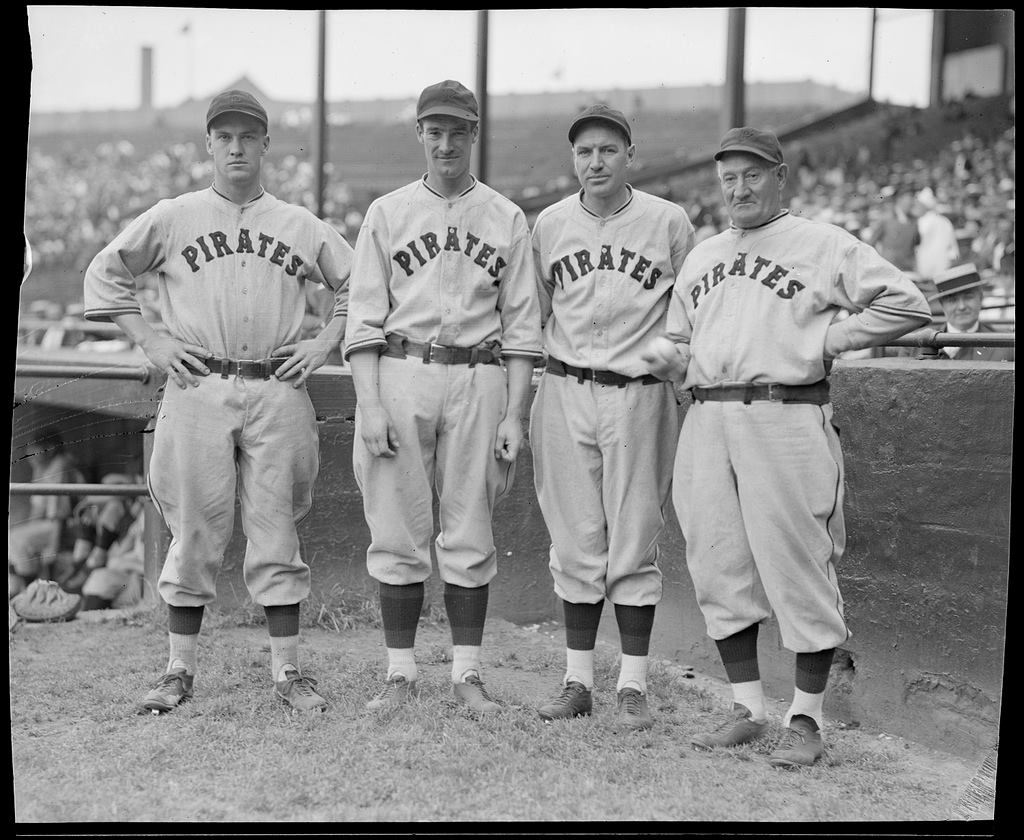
{"points": [[472, 186], [625, 204], [774, 218], [252, 200]]}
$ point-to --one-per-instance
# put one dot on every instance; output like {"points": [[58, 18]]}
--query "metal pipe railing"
{"points": [[141, 373], [928, 337], [45, 489]]}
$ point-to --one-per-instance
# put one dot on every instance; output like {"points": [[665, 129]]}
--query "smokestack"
{"points": [[147, 79]]}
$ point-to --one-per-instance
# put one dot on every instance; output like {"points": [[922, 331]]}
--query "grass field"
{"points": [[82, 753]]}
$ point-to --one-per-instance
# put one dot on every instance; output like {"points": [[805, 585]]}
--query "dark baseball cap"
{"points": [[235, 102], [754, 141], [450, 99], [600, 113]]}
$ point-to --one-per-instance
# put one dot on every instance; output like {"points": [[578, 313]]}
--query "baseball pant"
{"points": [[446, 417], [255, 436], [758, 490], [602, 462]]}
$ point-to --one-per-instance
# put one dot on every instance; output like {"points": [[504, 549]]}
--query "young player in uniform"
{"points": [[442, 292], [758, 480], [602, 430], [232, 264]]}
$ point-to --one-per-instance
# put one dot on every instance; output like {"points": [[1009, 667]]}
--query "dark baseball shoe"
{"points": [[739, 729], [395, 692], [573, 701], [632, 714], [298, 692], [173, 688], [472, 694], [800, 745]]}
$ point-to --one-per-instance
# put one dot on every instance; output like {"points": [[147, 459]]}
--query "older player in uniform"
{"points": [[758, 480], [232, 264], [442, 294], [602, 429]]}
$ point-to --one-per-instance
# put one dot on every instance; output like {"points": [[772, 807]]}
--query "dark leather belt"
{"points": [[815, 393], [601, 377], [440, 354], [246, 368]]}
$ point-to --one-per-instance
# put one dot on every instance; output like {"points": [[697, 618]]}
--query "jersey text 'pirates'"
{"points": [[605, 282], [231, 277], [453, 271], [764, 304]]}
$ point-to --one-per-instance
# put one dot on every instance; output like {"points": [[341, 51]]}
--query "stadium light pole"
{"points": [[481, 93], [871, 54], [320, 113], [733, 105]]}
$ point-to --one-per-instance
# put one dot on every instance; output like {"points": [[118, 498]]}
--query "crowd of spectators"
{"points": [[77, 201], [970, 182]]}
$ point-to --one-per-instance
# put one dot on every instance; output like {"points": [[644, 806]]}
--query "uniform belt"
{"points": [[246, 368], [601, 377], [440, 354], [816, 393]]}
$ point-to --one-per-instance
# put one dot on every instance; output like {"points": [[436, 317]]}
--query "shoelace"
{"points": [[169, 679], [390, 688], [791, 739], [631, 700], [474, 680], [302, 685], [739, 717], [567, 696]]}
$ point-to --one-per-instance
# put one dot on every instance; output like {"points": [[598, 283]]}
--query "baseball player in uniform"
{"points": [[232, 264], [758, 480], [442, 293], [602, 429]]}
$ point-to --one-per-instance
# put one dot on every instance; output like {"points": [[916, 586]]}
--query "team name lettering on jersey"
{"points": [[417, 254], [772, 276], [215, 245], [580, 263]]}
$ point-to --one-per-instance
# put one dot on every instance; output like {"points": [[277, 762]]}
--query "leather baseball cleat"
{"points": [[632, 714], [472, 694], [298, 692], [574, 701], [173, 688], [395, 692], [739, 729], [800, 745]]}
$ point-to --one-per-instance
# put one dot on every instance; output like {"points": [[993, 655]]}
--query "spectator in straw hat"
{"points": [[959, 293]]}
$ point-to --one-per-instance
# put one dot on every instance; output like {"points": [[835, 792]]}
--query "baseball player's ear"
{"points": [[783, 174], [631, 153]]}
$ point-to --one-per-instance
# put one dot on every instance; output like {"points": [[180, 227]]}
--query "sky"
{"points": [[89, 57]]}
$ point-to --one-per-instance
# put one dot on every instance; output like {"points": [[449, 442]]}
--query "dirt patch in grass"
{"points": [[83, 753]]}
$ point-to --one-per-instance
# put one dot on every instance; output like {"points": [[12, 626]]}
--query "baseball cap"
{"points": [[600, 113], [957, 279], [448, 98], [754, 141], [235, 102]]}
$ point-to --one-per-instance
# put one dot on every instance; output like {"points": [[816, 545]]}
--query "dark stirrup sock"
{"points": [[581, 624], [739, 655], [400, 608], [635, 625]]}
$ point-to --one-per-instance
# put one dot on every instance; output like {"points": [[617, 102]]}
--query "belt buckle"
{"points": [[431, 348], [772, 393]]}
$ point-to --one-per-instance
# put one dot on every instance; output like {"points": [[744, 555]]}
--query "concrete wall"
{"points": [[928, 472]]}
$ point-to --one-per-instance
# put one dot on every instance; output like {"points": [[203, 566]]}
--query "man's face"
{"points": [[751, 187], [237, 143], [600, 156], [448, 144], [963, 309]]}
